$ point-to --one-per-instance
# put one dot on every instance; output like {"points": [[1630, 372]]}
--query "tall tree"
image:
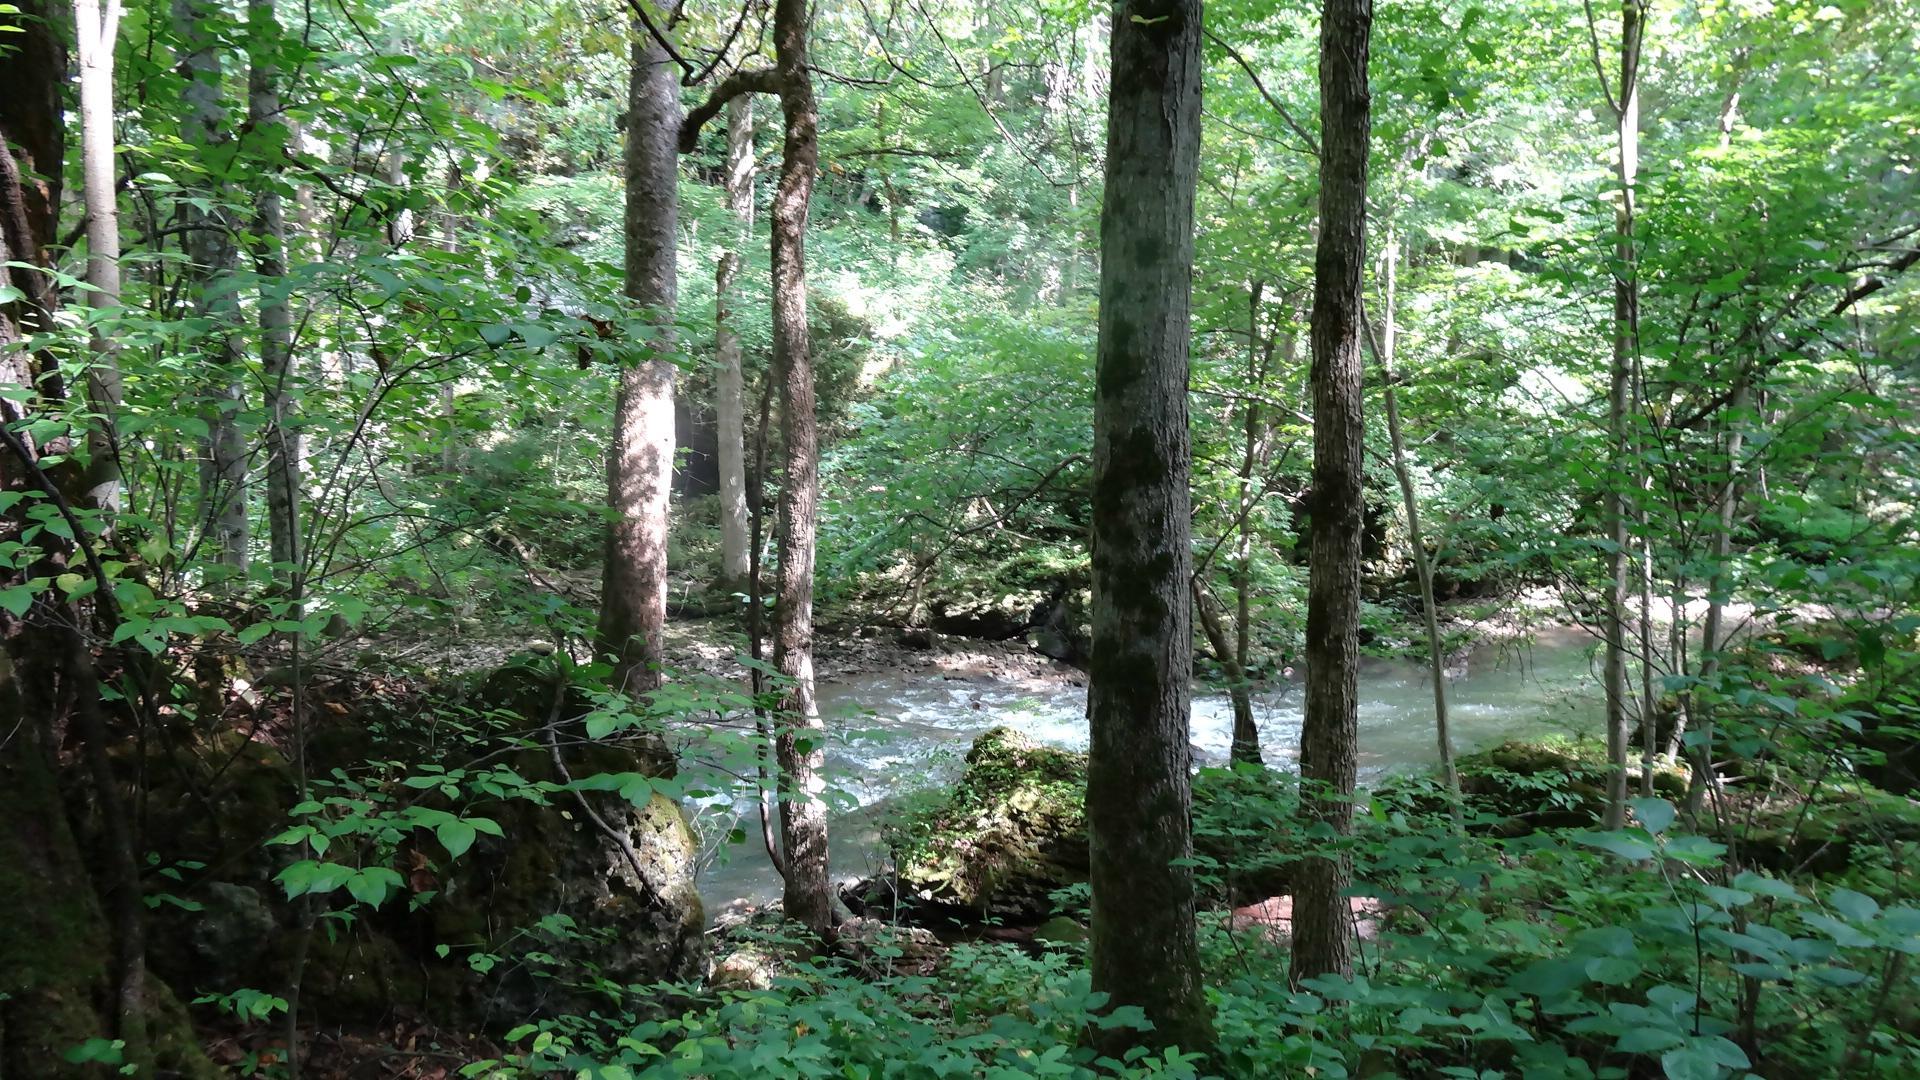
{"points": [[212, 260], [633, 599], [1139, 793], [801, 741], [1625, 103], [1410, 504], [96, 29], [1321, 925], [729, 403], [269, 129], [73, 954]]}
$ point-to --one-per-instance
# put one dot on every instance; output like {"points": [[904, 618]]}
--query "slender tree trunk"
{"points": [[449, 396], [1235, 657], [1322, 934], [276, 313], [1713, 640], [1619, 413], [729, 406], [802, 739], [97, 27], [1245, 749], [1139, 798], [213, 258], [633, 611], [1410, 502]]}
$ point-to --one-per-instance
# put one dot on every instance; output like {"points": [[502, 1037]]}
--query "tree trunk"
{"points": [[802, 738], [1139, 797], [97, 27], [212, 258], [276, 314], [1416, 539], [72, 968], [1626, 298], [1322, 939], [1713, 639], [449, 396], [633, 611], [729, 406], [1246, 733]]}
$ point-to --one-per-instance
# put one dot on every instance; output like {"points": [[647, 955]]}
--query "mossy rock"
{"points": [[1844, 825], [559, 891], [1548, 784], [1013, 831]]}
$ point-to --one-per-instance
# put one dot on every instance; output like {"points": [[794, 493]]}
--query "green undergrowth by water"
{"points": [[1557, 951]]}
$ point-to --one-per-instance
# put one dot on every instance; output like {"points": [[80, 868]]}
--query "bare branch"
{"points": [[1313, 146], [744, 81]]}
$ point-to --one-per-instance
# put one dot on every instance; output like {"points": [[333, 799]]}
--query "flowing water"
{"points": [[895, 733]]}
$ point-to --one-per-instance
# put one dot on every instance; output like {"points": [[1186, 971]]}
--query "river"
{"points": [[897, 732]]}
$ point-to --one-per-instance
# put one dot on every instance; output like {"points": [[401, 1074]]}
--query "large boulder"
{"points": [[515, 926], [1548, 784], [606, 897], [1013, 831]]}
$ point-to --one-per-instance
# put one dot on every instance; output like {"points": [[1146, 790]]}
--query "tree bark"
{"points": [[1139, 797], [72, 967], [802, 740], [1322, 939], [729, 406], [212, 258], [97, 27], [633, 611], [1714, 638], [800, 743], [276, 313], [1626, 300]]}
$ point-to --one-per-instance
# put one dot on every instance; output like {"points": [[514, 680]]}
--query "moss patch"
{"points": [[1014, 830]]}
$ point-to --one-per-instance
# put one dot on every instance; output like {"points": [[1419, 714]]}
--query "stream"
{"points": [[898, 732]]}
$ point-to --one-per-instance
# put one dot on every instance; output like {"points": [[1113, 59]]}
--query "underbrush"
{"points": [[1559, 953]]}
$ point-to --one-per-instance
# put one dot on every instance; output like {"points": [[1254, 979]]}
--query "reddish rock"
{"points": [[1273, 917]]}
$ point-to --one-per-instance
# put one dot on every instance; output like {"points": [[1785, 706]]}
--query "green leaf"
{"points": [[1856, 906], [1550, 978], [1646, 1040], [637, 790], [1761, 885], [1613, 970], [456, 837], [1695, 849], [1690, 1064], [373, 885], [1654, 814], [1619, 843], [16, 599]]}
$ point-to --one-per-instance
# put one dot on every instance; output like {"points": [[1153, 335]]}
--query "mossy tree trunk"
{"points": [[72, 967], [1139, 793], [1322, 936]]}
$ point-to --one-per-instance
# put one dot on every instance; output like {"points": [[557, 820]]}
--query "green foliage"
{"points": [[827, 1020]]}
